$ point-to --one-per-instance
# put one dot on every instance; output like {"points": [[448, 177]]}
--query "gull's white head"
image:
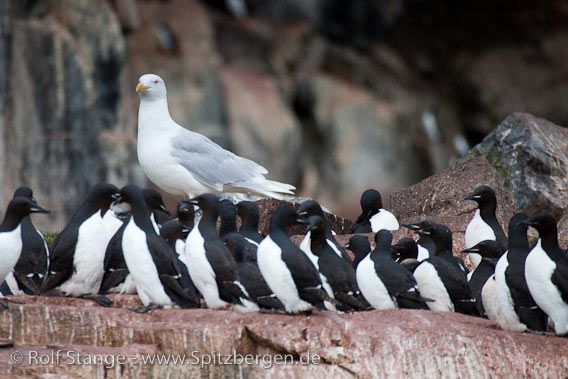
{"points": [[151, 87]]}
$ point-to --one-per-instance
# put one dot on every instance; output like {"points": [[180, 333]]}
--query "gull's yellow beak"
{"points": [[141, 88]]}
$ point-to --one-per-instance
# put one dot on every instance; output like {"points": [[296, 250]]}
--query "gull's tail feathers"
{"points": [[268, 188]]}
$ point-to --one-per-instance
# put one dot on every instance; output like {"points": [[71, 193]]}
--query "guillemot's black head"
{"points": [[173, 230], [359, 245], [544, 223], [248, 212], [154, 201], [310, 208], [315, 224], [209, 205], [24, 191], [186, 213], [228, 210], [483, 195], [284, 217], [383, 240], [518, 228], [101, 196], [18, 208], [371, 202], [228, 214], [132, 194], [405, 248], [440, 234], [419, 227], [206, 202], [490, 249]]}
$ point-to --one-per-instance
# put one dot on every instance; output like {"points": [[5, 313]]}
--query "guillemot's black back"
{"points": [[295, 264], [61, 260], [338, 272], [517, 251], [399, 281], [218, 257], [116, 270], [164, 258], [249, 274], [448, 269]]}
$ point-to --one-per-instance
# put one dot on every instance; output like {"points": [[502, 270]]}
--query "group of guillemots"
{"points": [[124, 241]]}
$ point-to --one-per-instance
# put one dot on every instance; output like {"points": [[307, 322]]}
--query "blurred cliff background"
{"points": [[333, 96]]}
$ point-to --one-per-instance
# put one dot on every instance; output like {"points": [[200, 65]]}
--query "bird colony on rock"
{"points": [[125, 241]]}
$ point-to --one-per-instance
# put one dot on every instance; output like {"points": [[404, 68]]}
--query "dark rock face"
{"points": [[531, 155], [65, 90], [365, 344]]}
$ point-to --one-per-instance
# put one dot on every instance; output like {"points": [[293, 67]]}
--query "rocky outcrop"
{"points": [[367, 344], [531, 156], [64, 117], [524, 160]]}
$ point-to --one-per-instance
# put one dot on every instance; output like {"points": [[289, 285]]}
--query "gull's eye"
{"points": [[155, 81]]}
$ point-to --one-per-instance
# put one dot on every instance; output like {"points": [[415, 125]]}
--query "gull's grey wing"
{"points": [[209, 163]]}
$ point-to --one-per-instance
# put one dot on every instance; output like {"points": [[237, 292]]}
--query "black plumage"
{"points": [[114, 264], [31, 269], [360, 247], [312, 208], [99, 198], [304, 273], [490, 252], [400, 283], [228, 216], [249, 214], [517, 250], [185, 213], [486, 201], [449, 269], [159, 212], [219, 257], [405, 252], [249, 274], [337, 271], [176, 286]]}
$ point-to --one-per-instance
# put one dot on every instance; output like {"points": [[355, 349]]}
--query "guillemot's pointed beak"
{"points": [[411, 226], [141, 88], [193, 201], [38, 209], [472, 197], [470, 250]]}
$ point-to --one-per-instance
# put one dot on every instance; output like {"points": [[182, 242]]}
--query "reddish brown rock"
{"points": [[368, 344]]}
